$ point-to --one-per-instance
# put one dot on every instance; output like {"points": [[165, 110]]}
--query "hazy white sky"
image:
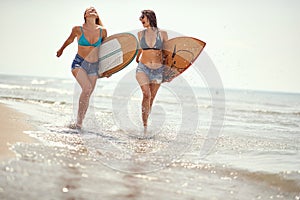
{"points": [[253, 44]]}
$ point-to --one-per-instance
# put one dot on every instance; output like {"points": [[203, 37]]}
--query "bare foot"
{"points": [[74, 126]]}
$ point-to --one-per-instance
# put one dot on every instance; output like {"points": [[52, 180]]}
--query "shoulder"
{"points": [[104, 31], [76, 29], [164, 34], [101, 28], [140, 33]]}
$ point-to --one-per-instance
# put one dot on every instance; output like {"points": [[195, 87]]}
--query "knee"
{"points": [[146, 94], [87, 90]]}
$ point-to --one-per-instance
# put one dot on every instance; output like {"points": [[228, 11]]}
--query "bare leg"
{"points": [[149, 92], [145, 87], [145, 103], [153, 87], [87, 84], [153, 90]]}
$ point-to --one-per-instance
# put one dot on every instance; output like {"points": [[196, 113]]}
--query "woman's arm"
{"points": [[137, 59], [104, 33], [164, 35], [69, 40]]}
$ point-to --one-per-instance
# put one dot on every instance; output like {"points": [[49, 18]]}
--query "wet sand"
{"points": [[12, 127]]}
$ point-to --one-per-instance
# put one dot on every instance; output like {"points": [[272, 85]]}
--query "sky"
{"points": [[254, 45]]}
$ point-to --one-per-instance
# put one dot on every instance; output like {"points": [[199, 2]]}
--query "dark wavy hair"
{"points": [[150, 14]]}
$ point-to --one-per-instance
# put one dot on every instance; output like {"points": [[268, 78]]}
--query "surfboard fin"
{"points": [[174, 52]]}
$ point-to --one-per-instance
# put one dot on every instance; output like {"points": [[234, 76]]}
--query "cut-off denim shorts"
{"points": [[90, 68], [154, 75]]}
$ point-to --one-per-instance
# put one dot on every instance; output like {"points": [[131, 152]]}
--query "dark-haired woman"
{"points": [[85, 64], [149, 72]]}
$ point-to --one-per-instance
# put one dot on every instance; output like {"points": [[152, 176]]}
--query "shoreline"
{"points": [[12, 126]]}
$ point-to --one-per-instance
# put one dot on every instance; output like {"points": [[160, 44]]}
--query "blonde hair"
{"points": [[98, 21]]}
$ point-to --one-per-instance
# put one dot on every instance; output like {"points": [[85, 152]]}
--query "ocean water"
{"points": [[202, 143]]}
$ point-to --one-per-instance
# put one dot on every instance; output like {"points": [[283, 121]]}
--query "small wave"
{"points": [[21, 99], [296, 113], [270, 112], [6, 86], [267, 112], [274, 180], [35, 89], [286, 182], [38, 82]]}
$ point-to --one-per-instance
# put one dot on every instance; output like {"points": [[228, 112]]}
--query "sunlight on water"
{"points": [[255, 157]]}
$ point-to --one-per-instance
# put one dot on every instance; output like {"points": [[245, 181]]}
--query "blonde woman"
{"points": [[85, 64]]}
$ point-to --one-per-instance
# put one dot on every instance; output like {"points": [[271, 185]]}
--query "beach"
{"points": [[12, 126], [254, 156]]}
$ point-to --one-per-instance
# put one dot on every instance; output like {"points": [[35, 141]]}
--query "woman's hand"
{"points": [[59, 53], [138, 55]]}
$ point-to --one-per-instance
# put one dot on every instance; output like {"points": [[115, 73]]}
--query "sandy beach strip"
{"points": [[12, 127]]}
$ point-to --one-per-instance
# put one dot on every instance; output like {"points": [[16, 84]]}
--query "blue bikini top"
{"points": [[84, 42], [158, 43]]}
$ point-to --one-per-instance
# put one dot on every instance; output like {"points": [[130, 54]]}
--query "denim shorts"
{"points": [[90, 68], [154, 75]]}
